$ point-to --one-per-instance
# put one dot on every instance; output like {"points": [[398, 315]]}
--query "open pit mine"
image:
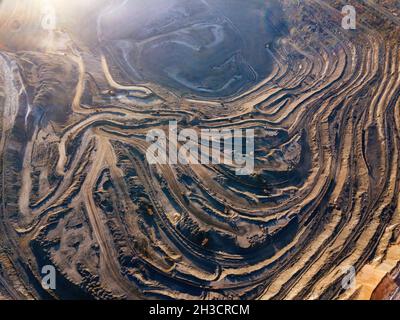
{"points": [[82, 83]]}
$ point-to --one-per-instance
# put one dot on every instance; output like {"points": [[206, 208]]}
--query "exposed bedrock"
{"points": [[78, 192]]}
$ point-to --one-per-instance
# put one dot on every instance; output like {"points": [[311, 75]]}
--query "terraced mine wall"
{"points": [[78, 193]]}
